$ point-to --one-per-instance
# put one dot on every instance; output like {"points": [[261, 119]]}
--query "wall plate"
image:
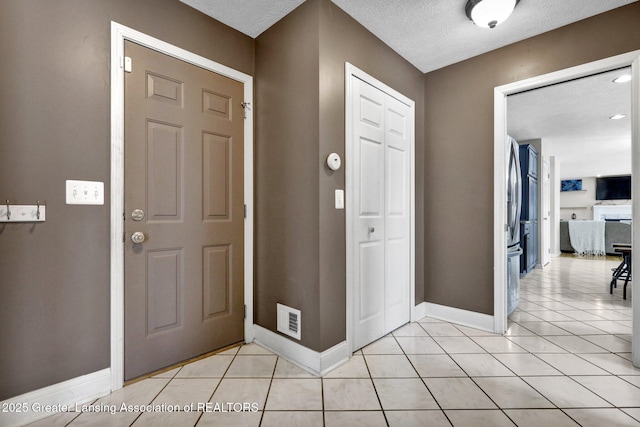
{"points": [[84, 192]]}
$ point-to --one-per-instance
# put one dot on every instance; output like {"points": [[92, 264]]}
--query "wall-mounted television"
{"points": [[613, 188], [571, 185]]}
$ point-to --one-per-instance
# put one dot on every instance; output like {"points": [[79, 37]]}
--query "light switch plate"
{"points": [[84, 192], [339, 199]]}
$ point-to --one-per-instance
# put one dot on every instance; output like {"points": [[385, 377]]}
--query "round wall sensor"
{"points": [[334, 162]]}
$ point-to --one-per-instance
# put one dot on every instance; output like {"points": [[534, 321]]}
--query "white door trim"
{"points": [[500, 205], [351, 70], [120, 33]]}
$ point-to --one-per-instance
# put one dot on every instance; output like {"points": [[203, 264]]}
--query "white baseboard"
{"points": [[419, 311], [468, 318], [76, 390], [309, 360]]}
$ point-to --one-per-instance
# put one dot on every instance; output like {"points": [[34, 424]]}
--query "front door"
{"points": [[380, 200], [183, 211]]}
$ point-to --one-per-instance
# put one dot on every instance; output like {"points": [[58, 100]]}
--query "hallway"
{"points": [[565, 361]]}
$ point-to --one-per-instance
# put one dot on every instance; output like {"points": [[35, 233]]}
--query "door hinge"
{"points": [[245, 211], [245, 106], [126, 64], [245, 311]]}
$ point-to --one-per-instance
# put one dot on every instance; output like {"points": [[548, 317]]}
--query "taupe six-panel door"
{"points": [[184, 203]]}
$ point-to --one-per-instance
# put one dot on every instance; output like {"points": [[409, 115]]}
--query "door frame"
{"points": [[351, 263], [120, 33], [499, 190], [544, 194]]}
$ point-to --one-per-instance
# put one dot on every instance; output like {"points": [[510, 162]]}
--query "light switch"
{"points": [[84, 192], [339, 199]]}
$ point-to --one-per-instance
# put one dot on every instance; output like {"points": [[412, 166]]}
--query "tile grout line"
{"points": [[266, 398], [418, 373], [217, 385], [375, 390], [502, 410]]}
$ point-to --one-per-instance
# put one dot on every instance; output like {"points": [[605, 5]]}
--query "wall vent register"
{"points": [[289, 321]]}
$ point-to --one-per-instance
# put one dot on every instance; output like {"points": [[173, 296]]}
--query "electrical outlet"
{"points": [[84, 192]]}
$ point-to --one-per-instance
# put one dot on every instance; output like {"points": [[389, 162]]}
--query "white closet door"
{"points": [[368, 195], [397, 216], [381, 202]]}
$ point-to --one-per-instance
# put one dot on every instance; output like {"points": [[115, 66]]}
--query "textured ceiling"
{"points": [[250, 17], [572, 119], [430, 34]]}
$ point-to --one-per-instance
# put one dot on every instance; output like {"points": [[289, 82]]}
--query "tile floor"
{"points": [[565, 361]]}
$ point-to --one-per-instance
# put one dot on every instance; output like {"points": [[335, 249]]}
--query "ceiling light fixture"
{"points": [[489, 13], [618, 117], [623, 78]]}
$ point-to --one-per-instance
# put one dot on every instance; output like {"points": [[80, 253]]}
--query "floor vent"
{"points": [[289, 321]]}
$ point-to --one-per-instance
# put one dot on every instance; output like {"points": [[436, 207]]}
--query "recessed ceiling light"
{"points": [[623, 78], [618, 117]]}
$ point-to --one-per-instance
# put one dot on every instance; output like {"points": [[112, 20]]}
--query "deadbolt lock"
{"points": [[137, 215]]}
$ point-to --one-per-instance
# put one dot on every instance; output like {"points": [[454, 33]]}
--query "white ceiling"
{"points": [[572, 119], [251, 17], [430, 34]]}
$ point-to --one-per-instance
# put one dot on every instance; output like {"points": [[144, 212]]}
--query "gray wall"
{"points": [[55, 125], [300, 259], [458, 179]]}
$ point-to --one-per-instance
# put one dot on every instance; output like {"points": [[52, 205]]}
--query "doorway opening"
{"points": [[500, 134]]}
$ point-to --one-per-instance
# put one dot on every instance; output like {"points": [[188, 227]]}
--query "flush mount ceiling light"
{"points": [[489, 13], [617, 117]]}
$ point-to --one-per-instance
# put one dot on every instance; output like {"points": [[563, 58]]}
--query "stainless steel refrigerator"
{"points": [[514, 205]]}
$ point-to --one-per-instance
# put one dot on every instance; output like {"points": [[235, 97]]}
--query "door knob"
{"points": [[137, 237], [371, 229]]}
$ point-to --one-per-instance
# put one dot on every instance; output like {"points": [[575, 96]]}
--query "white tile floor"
{"points": [[565, 361]]}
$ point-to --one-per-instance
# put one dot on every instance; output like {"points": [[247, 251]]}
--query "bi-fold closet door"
{"points": [[380, 199]]}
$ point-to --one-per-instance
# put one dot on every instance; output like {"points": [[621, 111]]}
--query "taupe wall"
{"points": [[345, 40], [286, 179], [300, 258], [54, 125], [458, 179]]}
